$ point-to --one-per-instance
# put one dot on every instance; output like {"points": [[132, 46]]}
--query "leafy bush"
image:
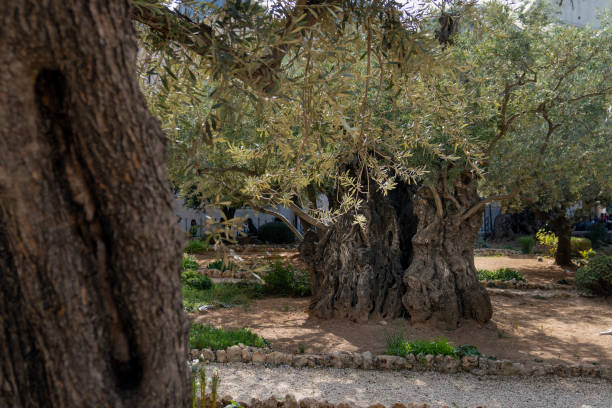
{"points": [[222, 266], [196, 246], [579, 244], [283, 279], [502, 274], [189, 262], [526, 244], [598, 234], [202, 336], [276, 233], [196, 280], [549, 240], [398, 346], [596, 276]]}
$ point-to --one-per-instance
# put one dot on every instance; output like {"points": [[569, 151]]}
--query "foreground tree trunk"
{"points": [[90, 298], [414, 259], [441, 281], [357, 274]]}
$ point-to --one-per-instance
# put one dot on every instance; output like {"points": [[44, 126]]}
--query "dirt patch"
{"points": [[528, 265], [523, 329]]}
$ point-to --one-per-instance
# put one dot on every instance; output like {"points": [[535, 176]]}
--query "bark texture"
{"points": [[357, 273], [90, 298], [415, 259], [441, 281], [563, 256]]}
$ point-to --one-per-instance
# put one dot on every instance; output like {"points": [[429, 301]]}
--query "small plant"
{"points": [[526, 244], [502, 274], [222, 265], [587, 253], [200, 399], [202, 336], [189, 262], [196, 246], [398, 346], [196, 280], [301, 348], [597, 234], [549, 240], [596, 276], [276, 233], [283, 279]]}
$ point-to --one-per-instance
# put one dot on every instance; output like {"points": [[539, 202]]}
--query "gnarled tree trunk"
{"points": [[441, 281], [357, 274], [413, 259], [563, 229], [90, 297]]}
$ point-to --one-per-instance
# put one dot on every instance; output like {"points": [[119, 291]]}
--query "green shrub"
{"points": [[189, 262], [579, 244], [202, 336], [222, 266], [196, 246], [502, 274], [598, 234], [596, 276], [196, 280], [283, 279], [526, 244], [221, 294], [276, 233], [398, 346]]}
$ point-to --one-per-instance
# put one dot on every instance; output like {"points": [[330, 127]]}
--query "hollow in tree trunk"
{"points": [[441, 281], [90, 295]]}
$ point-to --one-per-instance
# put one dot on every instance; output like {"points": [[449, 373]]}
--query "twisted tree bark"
{"points": [[90, 297]]}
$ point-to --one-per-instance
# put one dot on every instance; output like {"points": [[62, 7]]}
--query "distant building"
{"points": [[582, 12]]}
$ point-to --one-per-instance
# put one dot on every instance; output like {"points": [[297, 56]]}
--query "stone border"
{"points": [[514, 284], [495, 251], [443, 364], [291, 402]]}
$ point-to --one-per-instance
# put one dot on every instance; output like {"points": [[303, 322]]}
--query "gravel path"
{"points": [[363, 388]]}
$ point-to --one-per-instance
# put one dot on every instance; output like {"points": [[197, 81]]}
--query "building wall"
{"points": [[582, 12]]}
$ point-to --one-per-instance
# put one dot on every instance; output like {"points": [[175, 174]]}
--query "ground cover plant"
{"points": [[526, 244], [502, 274], [196, 246], [189, 262], [221, 294], [203, 336], [222, 265], [397, 345]]}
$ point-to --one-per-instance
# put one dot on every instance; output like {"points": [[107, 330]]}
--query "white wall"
{"points": [[582, 12]]}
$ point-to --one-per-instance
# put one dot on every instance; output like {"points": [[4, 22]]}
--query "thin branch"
{"points": [[234, 169], [279, 216], [438, 202], [306, 217]]}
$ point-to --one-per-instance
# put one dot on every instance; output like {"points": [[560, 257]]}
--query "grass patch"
{"points": [[502, 274], [202, 336], [398, 346], [222, 266], [221, 294]]}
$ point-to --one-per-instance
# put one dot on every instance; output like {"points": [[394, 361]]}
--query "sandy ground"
{"points": [[523, 328], [244, 381]]}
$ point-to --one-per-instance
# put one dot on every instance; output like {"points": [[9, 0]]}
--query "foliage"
{"points": [[596, 276], [284, 279], [580, 244], [196, 246], [189, 262], [221, 294], [222, 265], [526, 244], [549, 240], [276, 233], [587, 253], [598, 234], [502, 274], [202, 336], [398, 346], [200, 399], [196, 280]]}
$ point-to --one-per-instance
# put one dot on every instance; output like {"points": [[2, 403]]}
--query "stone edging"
{"points": [[443, 364], [514, 284], [291, 402], [495, 251]]}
